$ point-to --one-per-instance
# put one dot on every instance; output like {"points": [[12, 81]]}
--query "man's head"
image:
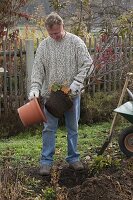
{"points": [[55, 26]]}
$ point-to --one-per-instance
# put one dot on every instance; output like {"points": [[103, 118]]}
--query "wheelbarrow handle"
{"points": [[124, 88], [130, 93]]}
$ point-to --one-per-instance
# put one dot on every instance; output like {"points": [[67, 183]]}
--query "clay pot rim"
{"points": [[39, 108]]}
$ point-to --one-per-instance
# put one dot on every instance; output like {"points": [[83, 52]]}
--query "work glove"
{"points": [[33, 93], [76, 87]]}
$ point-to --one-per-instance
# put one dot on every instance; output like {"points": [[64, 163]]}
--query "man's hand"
{"points": [[33, 93], [76, 87]]}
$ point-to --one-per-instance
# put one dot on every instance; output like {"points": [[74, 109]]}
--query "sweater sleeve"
{"points": [[85, 62], [38, 70]]}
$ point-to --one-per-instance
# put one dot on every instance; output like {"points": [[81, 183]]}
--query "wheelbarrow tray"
{"points": [[126, 110]]}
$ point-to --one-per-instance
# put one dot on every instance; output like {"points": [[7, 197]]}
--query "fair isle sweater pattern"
{"points": [[60, 61]]}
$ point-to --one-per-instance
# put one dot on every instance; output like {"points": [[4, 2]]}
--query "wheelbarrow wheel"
{"points": [[126, 141]]}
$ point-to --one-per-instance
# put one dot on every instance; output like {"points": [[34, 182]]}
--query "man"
{"points": [[60, 57]]}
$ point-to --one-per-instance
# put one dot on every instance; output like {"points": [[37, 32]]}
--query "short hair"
{"points": [[52, 19]]}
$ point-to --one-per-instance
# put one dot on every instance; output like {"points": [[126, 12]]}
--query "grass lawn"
{"points": [[26, 147]]}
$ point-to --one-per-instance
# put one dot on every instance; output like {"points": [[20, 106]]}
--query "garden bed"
{"points": [[64, 183]]}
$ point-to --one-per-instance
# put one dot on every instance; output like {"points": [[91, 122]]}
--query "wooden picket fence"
{"points": [[12, 76], [110, 71]]}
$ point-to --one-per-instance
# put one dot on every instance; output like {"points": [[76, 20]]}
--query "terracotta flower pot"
{"points": [[31, 113]]}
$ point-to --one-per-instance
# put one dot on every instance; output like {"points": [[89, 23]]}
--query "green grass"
{"points": [[26, 147]]}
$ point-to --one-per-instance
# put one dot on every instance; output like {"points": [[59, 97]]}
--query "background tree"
{"points": [[57, 5], [10, 13]]}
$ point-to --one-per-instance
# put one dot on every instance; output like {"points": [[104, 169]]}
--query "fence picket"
{"points": [[5, 97], [22, 77]]}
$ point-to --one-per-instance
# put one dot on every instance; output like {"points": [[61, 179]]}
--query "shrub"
{"points": [[10, 124], [99, 107], [49, 193]]}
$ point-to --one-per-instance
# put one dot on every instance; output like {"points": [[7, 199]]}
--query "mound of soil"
{"points": [[105, 187]]}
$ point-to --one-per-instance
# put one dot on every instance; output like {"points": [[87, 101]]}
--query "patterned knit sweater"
{"points": [[60, 61]]}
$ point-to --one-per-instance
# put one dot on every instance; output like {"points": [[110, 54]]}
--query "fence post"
{"points": [[29, 45]]}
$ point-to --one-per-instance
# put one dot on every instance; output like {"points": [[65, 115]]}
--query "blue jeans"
{"points": [[49, 134]]}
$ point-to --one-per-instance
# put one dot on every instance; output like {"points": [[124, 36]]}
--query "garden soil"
{"points": [[25, 183], [110, 184]]}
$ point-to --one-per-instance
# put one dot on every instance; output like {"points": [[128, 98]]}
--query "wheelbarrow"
{"points": [[126, 135], [126, 110]]}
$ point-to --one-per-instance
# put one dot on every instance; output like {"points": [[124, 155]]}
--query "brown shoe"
{"points": [[76, 165], [45, 170]]}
